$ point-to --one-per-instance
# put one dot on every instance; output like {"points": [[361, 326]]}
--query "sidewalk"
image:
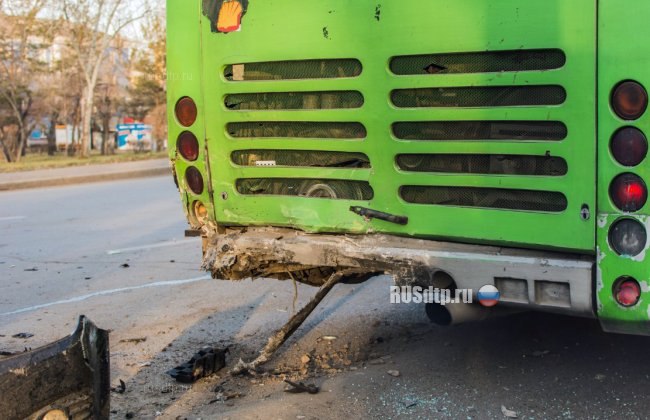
{"points": [[83, 174]]}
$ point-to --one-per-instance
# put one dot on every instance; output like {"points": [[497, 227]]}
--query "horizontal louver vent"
{"points": [[479, 62], [293, 70], [480, 130], [301, 187], [492, 96], [491, 198], [483, 164], [294, 100], [300, 158], [297, 129]]}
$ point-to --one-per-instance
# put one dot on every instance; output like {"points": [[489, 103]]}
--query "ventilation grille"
{"points": [[483, 164], [294, 100], [302, 187], [322, 159], [491, 198], [301, 129], [480, 130], [479, 62], [479, 96], [293, 70]]}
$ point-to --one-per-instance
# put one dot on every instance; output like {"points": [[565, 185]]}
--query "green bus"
{"points": [[447, 143]]}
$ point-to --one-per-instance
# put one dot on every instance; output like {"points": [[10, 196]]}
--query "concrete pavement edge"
{"points": [[71, 180]]}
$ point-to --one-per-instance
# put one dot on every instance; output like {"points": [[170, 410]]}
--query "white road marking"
{"points": [[108, 292], [12, 218], [151, 246]]}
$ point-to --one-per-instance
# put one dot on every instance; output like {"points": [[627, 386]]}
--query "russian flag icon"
{"points": [[488, 295]]}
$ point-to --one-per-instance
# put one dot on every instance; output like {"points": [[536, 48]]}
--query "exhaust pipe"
{"points": [[458, 313]]}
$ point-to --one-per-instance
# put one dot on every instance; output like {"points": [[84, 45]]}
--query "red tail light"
{"points": [[186, 111], [188, 146], [629, 100], [628, 192], [629, 146], [627, 291], [194, 180]]}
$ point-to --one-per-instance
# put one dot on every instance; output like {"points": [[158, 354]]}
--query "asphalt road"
{"points": [[115, 252]]}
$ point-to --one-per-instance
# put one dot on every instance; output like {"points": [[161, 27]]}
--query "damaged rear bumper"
{"points": [[546, 281], [66, 379]]}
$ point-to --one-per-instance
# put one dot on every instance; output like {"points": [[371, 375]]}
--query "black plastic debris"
{"points": [[66, 375], [300, 387], [121, 389], [23, 335], [204, 363]]}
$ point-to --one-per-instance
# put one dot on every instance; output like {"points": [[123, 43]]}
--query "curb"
{"points": [[70, 180]]}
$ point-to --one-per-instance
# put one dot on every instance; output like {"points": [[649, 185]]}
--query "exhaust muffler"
{"points": [[458, 313]]}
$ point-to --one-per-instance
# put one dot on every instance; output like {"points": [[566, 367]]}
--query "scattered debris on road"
{"points": [[223, 396], [300, 387], [395, 373], [204, 363], [120, 389], [277, 339], [508, 413], [31, 269], [136, 340], [125, 265], [23, 335]]}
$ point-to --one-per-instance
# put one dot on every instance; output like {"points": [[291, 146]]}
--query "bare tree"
{"points": [[147, 93], [94, 26], [22, 37]]}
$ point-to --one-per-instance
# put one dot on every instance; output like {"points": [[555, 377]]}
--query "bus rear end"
{"points": [[455, 145]]}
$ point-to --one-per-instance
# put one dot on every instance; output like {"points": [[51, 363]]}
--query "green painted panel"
{"points": [[362, 30], [621, 57], [184, 78]]}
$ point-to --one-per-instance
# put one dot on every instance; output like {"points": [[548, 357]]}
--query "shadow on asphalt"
{"points": [[541, 365]]}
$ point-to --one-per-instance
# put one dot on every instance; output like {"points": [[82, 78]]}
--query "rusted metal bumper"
{"points": [[539, 280], [66, 379]]}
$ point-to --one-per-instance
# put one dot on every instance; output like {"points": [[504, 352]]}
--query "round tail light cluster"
{"points": [[187, 144], [629, 146], [627, 291]]}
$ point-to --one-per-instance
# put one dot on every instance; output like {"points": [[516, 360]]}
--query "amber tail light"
{"points": [[629, 100]]}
